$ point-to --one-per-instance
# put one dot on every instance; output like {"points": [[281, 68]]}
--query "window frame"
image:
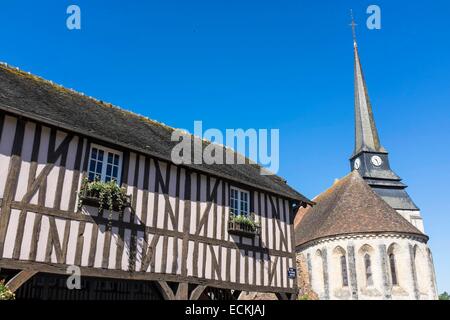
{"points": [[393, 269], [239, 199], [344, 270], [368, 270], [106, 150]]}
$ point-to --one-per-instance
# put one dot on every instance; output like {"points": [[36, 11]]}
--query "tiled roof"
{"points": [[39, 99], [350, 206]]}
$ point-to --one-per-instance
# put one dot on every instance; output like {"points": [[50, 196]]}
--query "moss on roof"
{"points": [[37, 98]]}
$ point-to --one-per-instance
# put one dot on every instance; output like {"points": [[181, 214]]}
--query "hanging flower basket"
{"points": [[243, 225], [104, 195]]}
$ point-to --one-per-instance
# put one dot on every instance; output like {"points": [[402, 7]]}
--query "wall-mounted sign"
{"points": [[292, 273]]}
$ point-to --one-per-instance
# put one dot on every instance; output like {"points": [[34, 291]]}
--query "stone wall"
{"points": [[303, 278], [414, 217], [320, 268]]}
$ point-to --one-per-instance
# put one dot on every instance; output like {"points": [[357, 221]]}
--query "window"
{"points": [[344, 271], [393, 270], [239, 201], [368, 268], [105, 164]]}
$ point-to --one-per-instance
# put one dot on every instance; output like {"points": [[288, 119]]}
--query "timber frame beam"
{"points": [[120, 274], [19, 279], [181, 293]]}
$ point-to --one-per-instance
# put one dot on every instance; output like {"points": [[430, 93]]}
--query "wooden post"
{"points": [[182, 291]]}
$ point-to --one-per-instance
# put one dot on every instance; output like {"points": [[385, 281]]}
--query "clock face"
{"points": [[357, 164], [376, 161]]}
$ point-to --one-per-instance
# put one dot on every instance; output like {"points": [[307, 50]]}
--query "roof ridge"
{"points": [[340, 189], [58, 86], [106, 104], [390, 211], [23, 89], [337, 183]]}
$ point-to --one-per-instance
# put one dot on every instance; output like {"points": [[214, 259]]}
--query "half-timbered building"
{"points": [[174, 240]]}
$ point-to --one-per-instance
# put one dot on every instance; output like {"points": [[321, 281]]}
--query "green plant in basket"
{"points": [[5, 293], [245, 220], [108, 193]]}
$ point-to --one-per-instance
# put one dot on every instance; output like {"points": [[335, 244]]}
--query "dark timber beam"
{"points": [[147, 276]]}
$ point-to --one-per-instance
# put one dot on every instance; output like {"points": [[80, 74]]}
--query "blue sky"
{"points": [[264, 64]]}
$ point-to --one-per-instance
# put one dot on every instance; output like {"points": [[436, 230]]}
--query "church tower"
{"points": [[370, 158], [363, 237]]}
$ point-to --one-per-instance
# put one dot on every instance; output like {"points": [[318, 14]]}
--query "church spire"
{"points": [[366, 135], [369, 157]]}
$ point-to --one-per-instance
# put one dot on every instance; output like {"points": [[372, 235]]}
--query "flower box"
{"points": [[104, 195], [94, 201], [243, 226]]}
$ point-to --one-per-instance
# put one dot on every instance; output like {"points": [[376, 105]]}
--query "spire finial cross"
{"points": [[353, 25]]}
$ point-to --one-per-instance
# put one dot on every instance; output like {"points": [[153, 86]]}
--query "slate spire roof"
{"points": [[350, 206], [383, 180], [366, 134], [24, 94]]}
